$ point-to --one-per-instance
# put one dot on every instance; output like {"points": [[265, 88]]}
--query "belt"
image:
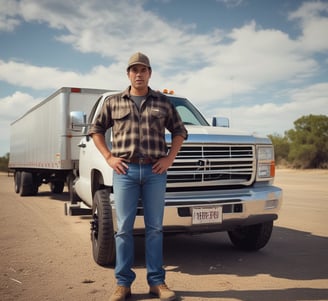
{"points": [[141, 161]]}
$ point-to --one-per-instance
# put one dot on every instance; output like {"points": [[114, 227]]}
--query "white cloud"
{"points": [[309, 10], [8, 21], [181, 58], [207, 68], [11, 108], [271, 118], [312, 17], [108, 25], [314, 94], [8, 24], [41, 78], [231, 3]]}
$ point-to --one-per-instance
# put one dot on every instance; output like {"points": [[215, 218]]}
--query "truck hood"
{"points": [[210, 134]]}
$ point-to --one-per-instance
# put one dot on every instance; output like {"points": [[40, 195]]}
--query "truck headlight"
{"points": [[265, 162]]}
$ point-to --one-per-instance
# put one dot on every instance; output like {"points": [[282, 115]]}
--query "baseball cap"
{"points": [[138, 58]]}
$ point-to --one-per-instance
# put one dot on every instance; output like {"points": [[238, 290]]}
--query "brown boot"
{"points": [[120, 294], [163, 292]]}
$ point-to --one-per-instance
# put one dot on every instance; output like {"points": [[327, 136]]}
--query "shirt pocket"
{"points": [[157, 119], [122, 119]]}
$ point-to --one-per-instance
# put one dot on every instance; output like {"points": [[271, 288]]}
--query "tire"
{"points": [[102, 230], [17, 180], [73, 197], [57, 187], [28, 184], [251, 238]]}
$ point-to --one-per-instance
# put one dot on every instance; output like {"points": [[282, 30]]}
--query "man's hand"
{"points": [[118, 164], [162, 165]]}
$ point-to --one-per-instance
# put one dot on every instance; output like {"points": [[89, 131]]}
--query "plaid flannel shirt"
{"points": [[139, 133]]}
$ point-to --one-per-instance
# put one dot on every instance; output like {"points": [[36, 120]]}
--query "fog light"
{"points": [[271, 204]]}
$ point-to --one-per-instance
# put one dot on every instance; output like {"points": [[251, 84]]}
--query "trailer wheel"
{"points": [[28, 184], [251, 238], [17, 181], [102, 230], [57, 187]]}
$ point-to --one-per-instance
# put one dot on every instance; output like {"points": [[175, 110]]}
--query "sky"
{"points": [[261, 63]]}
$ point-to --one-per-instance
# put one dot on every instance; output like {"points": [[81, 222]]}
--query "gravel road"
{"points": [[46, 255]]}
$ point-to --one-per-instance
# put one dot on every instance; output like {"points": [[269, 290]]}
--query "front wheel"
{"points": [[251, 238], [102, 230]]}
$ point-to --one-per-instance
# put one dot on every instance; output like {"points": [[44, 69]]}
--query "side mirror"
{"points": [[220, 122], [78, 120]]}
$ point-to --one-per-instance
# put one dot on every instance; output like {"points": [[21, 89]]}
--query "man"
{"points": [[138, 117]]}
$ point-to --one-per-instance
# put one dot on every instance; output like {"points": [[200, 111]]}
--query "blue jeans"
{"points": [[139, 182]]}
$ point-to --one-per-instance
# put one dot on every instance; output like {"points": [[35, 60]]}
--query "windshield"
{"points": [[189, 114]]}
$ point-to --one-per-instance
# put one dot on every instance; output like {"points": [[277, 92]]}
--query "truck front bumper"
{"points": [[244, 207]]}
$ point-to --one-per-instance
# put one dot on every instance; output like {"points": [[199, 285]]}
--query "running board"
{"points": [[76, 209]]}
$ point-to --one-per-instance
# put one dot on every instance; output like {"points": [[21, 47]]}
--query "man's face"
{"points": [[139, 76]]}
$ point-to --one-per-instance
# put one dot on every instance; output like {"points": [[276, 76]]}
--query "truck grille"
{"points": [[212, 165]]}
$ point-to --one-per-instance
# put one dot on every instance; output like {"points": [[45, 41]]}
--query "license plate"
{"points": [[207, 215]]}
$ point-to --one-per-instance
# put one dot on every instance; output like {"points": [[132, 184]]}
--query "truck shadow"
{"points": [[61, 197], [290, 254], [292, 294]]}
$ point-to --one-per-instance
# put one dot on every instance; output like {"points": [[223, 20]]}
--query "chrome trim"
{"points": [[213, 165]]}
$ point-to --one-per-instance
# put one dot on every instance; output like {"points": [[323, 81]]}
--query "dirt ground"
{"points": [[45, 255]]}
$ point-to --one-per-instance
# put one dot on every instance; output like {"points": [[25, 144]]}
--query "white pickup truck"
{"points": [[221, 180]]}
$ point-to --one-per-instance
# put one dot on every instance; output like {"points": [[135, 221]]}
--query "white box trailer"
{"points": [[44, 147]]}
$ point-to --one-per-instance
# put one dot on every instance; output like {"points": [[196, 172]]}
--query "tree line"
{"points": [[305, 146], [4, 162]]}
